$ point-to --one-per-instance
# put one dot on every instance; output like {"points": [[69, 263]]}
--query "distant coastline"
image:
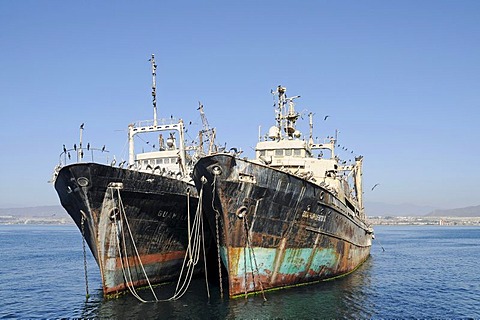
{"points": [[8, 220], [44, 215], [425, 221], [56, 215]]}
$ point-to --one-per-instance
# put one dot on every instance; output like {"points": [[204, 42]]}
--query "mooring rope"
{"points": [[127, 275], [196, 242], [128, 279], [192, 254], [383, 249], [188, 222], [130, 288], [122, 211]]}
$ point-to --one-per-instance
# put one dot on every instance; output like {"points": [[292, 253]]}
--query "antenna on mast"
{"points": [[310, 116], [154, 89], [281, 104]]}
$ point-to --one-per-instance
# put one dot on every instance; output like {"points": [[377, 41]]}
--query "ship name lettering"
{"points": [[164, 214], [171, 215], [313, 216]]}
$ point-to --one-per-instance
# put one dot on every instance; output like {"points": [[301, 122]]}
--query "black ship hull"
{"points": [[276, 229], [135, 223]]}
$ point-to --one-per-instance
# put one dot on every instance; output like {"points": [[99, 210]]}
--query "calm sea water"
{"points": [[424, 272]]}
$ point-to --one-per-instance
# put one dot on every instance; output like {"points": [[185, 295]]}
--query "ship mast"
{"points": [[286, 119], [131, 127], [154, 89], [310, 118]]}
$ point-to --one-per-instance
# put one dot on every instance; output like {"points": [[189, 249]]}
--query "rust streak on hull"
{"points": [[151, 258]]}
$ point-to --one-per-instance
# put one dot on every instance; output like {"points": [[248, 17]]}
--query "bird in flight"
{"points": [[375, 186], [325, 118]]}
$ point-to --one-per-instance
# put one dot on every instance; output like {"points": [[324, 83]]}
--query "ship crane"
{"points": [[209, 132]]}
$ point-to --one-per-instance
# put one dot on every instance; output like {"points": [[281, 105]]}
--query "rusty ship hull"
{"points": [[135, 223], [276, 229]]}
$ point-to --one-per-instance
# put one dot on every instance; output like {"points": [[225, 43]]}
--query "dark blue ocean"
{"points": [[424, 272]]}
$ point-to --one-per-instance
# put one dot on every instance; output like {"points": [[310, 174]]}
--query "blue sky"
{"points": [[399, 79]]}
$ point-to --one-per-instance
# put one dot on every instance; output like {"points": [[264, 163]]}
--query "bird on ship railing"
{"points": [[235, 152]]}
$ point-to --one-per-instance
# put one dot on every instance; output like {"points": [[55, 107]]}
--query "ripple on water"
{"points": [[429, 272]]}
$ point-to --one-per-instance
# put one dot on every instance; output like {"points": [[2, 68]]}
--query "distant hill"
{"points": [[371, 208], [42, 211], [460, 212], [403, 210]]}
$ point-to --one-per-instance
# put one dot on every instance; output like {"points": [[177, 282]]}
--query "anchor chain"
{"points": [[217, 215], [84, 254], [252, 253], [245, 267]]}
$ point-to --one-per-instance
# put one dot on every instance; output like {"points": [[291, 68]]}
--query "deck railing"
{"points": [[75, 155]]}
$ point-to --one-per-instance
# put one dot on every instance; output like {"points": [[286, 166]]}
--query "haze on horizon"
{"points": [[399, 80]]}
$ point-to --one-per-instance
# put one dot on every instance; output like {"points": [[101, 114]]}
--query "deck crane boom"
{"points": [[208, 132]]}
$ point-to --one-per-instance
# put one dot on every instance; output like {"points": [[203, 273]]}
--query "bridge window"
{"points": [[288, 152], [278, 153], [297, 152]]}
